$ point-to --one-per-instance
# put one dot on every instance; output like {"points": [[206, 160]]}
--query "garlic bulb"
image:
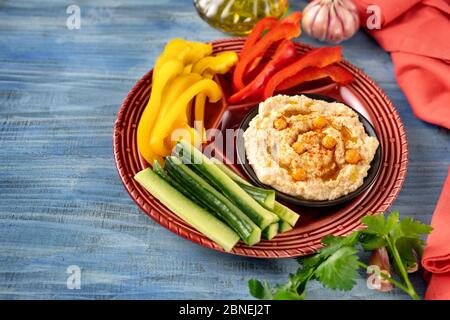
{"points": [[330, 20]]}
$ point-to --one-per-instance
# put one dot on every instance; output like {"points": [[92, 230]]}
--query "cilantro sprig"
{"points": [[336, 265]]}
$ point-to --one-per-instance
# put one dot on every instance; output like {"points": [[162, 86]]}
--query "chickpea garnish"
{"points": [[352, 156], [284, 163], [319, 123], [308, 104], [280, 124], [329, 142], [299, 174], [298, 147]]}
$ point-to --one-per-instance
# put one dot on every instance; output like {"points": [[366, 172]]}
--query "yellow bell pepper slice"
{"points": [[219, 64], [183, 131], [208, 67], [188, 69], [175, 88], [168, 71], [162, 128], [171, 92], [187, 52], [199, 114]]}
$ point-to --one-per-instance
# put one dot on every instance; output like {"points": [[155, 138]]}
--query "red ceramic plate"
{"points": [[362, 94]]}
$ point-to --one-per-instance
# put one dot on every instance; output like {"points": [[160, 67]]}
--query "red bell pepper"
{"points": [[284, 55], [320, 57], [336, 73], [285, 29], [257, 31], [256, 61]]}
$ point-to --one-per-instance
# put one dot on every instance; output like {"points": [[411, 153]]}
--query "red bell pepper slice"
{"points": [[264, 24], [285, 29], [336, 73], [257, 31], [320, 57], [284, 55]]}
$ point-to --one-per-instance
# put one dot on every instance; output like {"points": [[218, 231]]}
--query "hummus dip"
{"points": [[311, 149]]}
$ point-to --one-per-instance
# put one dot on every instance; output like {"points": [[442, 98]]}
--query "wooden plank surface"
{"points": [[61, 201]]}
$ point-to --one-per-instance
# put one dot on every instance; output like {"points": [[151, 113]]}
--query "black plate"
{"points": [[368, 180]]}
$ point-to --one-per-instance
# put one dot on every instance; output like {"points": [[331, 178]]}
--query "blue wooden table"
{"points": [[61, 200]]}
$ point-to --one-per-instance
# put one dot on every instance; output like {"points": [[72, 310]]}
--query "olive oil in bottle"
{"points": [[238, 17]]}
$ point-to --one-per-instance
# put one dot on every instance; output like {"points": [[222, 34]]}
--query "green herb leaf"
{"points": [[410, 228], [336, 264], [339, 271], [334, 243], [311, 261], [380, 226], [371, 242], [259, 290], [391, 222], [288, 295], [301, 279], [408, 248], [375, 224]]}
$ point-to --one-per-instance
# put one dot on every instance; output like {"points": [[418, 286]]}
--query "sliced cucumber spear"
{"points": [[261, 216], [163, 174], [264, 197], [284, 227], [196, 216], [271, 231], [233, 175], [214, 200], [283, 212]]}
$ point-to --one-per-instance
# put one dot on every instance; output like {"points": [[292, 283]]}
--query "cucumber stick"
{"points": [[193, 214], [215, 201], [271, 231], [163, 174], [283, 212], [283, 226], [264, 197], [233, 175], [261, 216]]}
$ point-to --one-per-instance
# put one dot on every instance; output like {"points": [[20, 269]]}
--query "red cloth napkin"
{"points": [[417, 34], [436, 256]]}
